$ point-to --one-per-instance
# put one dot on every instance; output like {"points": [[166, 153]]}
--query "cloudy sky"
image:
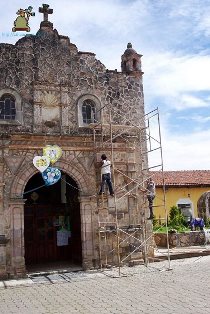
{"points": [[174, 38]]}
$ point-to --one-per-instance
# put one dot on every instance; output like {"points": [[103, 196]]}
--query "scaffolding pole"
{"points": [[120, 241]]}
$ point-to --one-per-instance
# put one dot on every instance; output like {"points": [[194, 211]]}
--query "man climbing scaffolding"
{"points": [[150, 196], [106, 175]]}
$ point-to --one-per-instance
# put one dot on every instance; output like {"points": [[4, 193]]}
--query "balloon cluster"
{"points": [[51, 153]]}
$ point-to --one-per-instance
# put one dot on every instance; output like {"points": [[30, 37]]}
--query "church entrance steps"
{"points": [[52, 268]]}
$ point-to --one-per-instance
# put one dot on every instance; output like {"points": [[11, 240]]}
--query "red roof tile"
{"points": [[182, 178]]}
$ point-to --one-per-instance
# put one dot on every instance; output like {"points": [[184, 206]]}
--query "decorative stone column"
{"points": [[3, 240], [16, 207], [1, 204], [87, 206], [64, 99], [3, 267]]}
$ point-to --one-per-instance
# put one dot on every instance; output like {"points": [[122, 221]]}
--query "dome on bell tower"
{"points": [[129, 50]]}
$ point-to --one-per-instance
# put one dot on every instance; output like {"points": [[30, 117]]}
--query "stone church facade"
{"points": [[53, 94]]}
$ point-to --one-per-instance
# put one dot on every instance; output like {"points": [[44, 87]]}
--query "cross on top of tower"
{"points": [[45, 10]]}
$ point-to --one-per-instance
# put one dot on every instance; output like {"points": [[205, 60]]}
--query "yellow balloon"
{"points": [[53, 152]]}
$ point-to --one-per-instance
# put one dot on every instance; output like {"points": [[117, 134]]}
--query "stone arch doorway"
{"points": [[52, 223]]}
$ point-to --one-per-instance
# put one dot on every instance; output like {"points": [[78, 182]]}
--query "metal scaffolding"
{"points": [[124, 233]]}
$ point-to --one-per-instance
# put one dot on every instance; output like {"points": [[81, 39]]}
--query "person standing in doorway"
{"points": [[150, 196], [106, 175]]}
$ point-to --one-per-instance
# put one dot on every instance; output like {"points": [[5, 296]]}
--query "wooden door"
{"points": [[40, 231]]}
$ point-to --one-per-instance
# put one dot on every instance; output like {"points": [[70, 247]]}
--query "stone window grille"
{"points": [[88, 111], [7, 107]]}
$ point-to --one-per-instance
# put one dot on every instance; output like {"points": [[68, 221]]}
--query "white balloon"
{"points": [[41, 162]]}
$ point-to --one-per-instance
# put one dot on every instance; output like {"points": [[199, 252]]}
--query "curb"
{"points": [[174, 256]]}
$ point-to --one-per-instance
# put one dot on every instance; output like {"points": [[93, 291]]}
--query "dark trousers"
{"points": [[150, 199], [106, 178]]}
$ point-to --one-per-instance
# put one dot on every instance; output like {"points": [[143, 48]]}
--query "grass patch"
{"points": [[163, 229], [176, 223]]}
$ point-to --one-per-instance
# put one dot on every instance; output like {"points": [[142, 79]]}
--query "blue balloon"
{"points": [[51, 175]]}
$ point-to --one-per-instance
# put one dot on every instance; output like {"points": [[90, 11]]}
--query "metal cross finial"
{"points": [[45, 10]]}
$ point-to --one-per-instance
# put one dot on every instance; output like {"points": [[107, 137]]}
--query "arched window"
{"points": [[7, 107], [134, 64], [88, 111]]}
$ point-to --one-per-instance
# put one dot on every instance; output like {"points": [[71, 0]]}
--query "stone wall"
{"points": [[50, 75], [78, 161], [190, 238]]}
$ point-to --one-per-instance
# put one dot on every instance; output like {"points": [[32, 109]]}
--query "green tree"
{"points": [[176, 218]]}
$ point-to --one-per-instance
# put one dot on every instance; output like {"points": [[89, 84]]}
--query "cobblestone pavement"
{"points": [[184, 289]]}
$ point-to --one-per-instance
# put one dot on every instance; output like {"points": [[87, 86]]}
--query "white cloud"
{"points": [[203, 23], [201, 119], [110, 16], [187, 152], [174, 77], [189, 101], [182, 151], [171, 74]]}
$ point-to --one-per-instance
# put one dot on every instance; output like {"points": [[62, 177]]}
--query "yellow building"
{"points": [[184, 189]]}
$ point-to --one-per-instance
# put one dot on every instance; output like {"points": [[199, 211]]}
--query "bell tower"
{"points": [[131, 61]]}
